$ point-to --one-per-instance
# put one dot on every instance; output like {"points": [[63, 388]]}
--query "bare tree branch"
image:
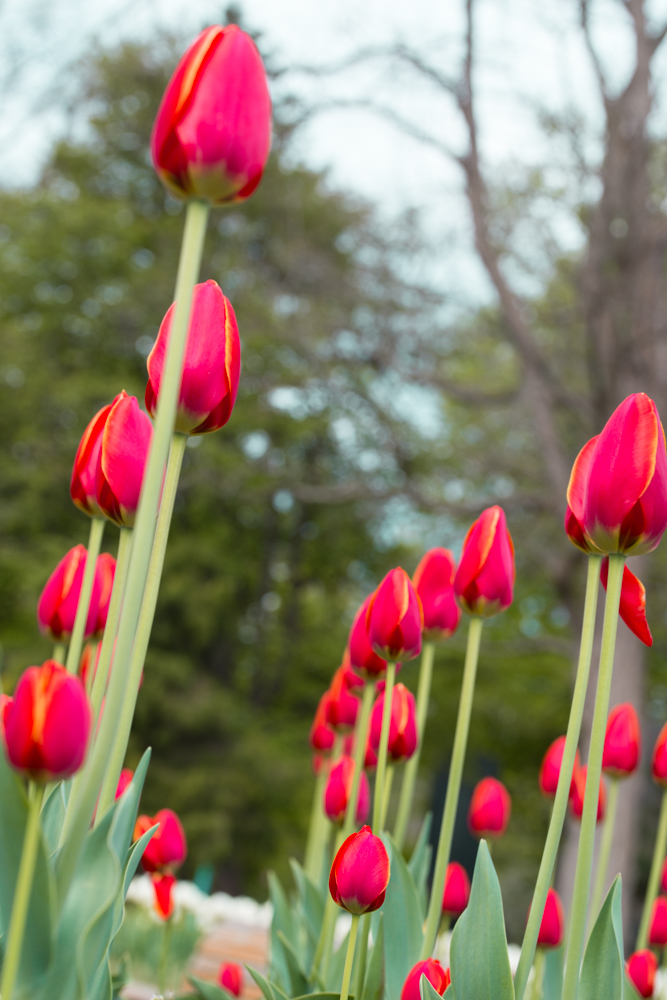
{"points": [[595, 60]]}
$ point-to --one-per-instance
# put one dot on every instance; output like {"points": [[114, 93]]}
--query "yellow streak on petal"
{"points": [[194, 65]]}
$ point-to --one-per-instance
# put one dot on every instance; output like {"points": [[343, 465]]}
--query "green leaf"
{"points": [[282, 922], [402, 922], [603, 969], [420, 862], [337, 967], [374, 981], [427, 990], [270, 989], [319, 996], [311, 900], [297, 974], [552, 984], [207, 990], [449, 993], [630, 991], [478, 953], [52, 817]]}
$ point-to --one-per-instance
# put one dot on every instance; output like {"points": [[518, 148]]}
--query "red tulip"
{"points": [[632, 608], [552, 928], [625, 499], [434, 582], [362, 657], [124, 780], [622, 742], [657, 934], [457, 890], [47, 723], [56, 609], [578, 792], [212, 363], [434, 972], [212, 134], [352, 679], [484, 581], [659, 761], [395, 618], [83, 486], [551, 765], [338, 789], [576, 492], [163, 886], [342, 706], [230, 977], [402, 725], [641, 969], [105, 571], [126, 439], [167, 848], [490, 809], [360, 873], [321, 736]]}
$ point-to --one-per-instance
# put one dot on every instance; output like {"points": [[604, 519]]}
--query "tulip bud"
{"points": [[576, 492], [641, 969], [338, 790], [402, 725], [551, 765], [163, 886], [632, 608], [578, 791], [342, 706], [352, 680], [659, 760], [321, 736], [395, 618], [552, 928], [360, 873], [230, 977], [362, 658], [125, 779], [625, 500], [622, 742], [657, 935], [83, 486], [123, 454], [47, 723], [457, 890], [56, 609], [437, 976], [212, 364], [434, 582], [167, 848], [490, 809], [105, 571], [484, 581], [212, 134]]}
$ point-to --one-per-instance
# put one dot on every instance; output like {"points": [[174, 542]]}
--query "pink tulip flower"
{"points": [[126, 440], [456, 894], [360, 873], [490, 809], [362, 658], [402, 724], [56, 608], [434, 582], [484, 581], [395, 619], [338, 790], [622, 742], [438, 977]]}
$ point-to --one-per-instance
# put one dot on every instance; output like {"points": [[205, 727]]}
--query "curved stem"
{"points": [[145, 623], [453, 785], [349, 958], [659, 852], [412, 766], [605, 848], [582, 878], [76, 642], [22, 894], [378, 798], [559, 810]]}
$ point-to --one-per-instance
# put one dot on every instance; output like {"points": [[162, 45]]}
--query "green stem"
{"points": [[559, 809], [412, 766], [538, 978], [364, 930], [164, 957], [659, 851], [76, 641], [144, 531], [315, 828], [58, 653], [605, 848], [90, 679], [445, 922], [22, 894], [145, 624], [582, 878], [322, 955], [453, 785], [386, 795], [361, 735], [349, 958], [378, 798]]}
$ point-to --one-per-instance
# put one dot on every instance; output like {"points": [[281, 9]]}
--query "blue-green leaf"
{"points": [[426, 989], [420, 862], [270, 989], [479, 960], [282, 921], [552, 984], [603, 969], [297, 974], [208, 990], [52, 817], [402, 922]]}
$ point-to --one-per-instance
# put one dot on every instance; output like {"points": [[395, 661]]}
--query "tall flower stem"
{"points": [[22, 894], [453, 785], [76, 642], [582, 878], [144, 530], [58, 653], [362, 955], [386, 794], [145, 624], [659, 852], [315, 829], [605, 848], [322, 955], [538, 977], [559, 809], [412, 766], [349, 958], [361, 735], [164, 957], [378, 798]]}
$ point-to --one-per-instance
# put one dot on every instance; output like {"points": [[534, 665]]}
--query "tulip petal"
{"points": [[576, 490], [84, 471], [125, 444], [632, 608]]}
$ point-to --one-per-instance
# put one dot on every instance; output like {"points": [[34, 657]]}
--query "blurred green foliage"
{"points": [[137, 948]]}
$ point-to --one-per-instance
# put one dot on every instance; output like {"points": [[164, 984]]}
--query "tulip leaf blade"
{"points": [[309, 913], [402, 922], [283, 921], [449, 993], [374, 979], [337, 965], [297, 975], [426, 989], [603, 968], [552, 984], [208, 990], [53, 816], [630, 991], [420, 861], [270, 990], [478, 953]]}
